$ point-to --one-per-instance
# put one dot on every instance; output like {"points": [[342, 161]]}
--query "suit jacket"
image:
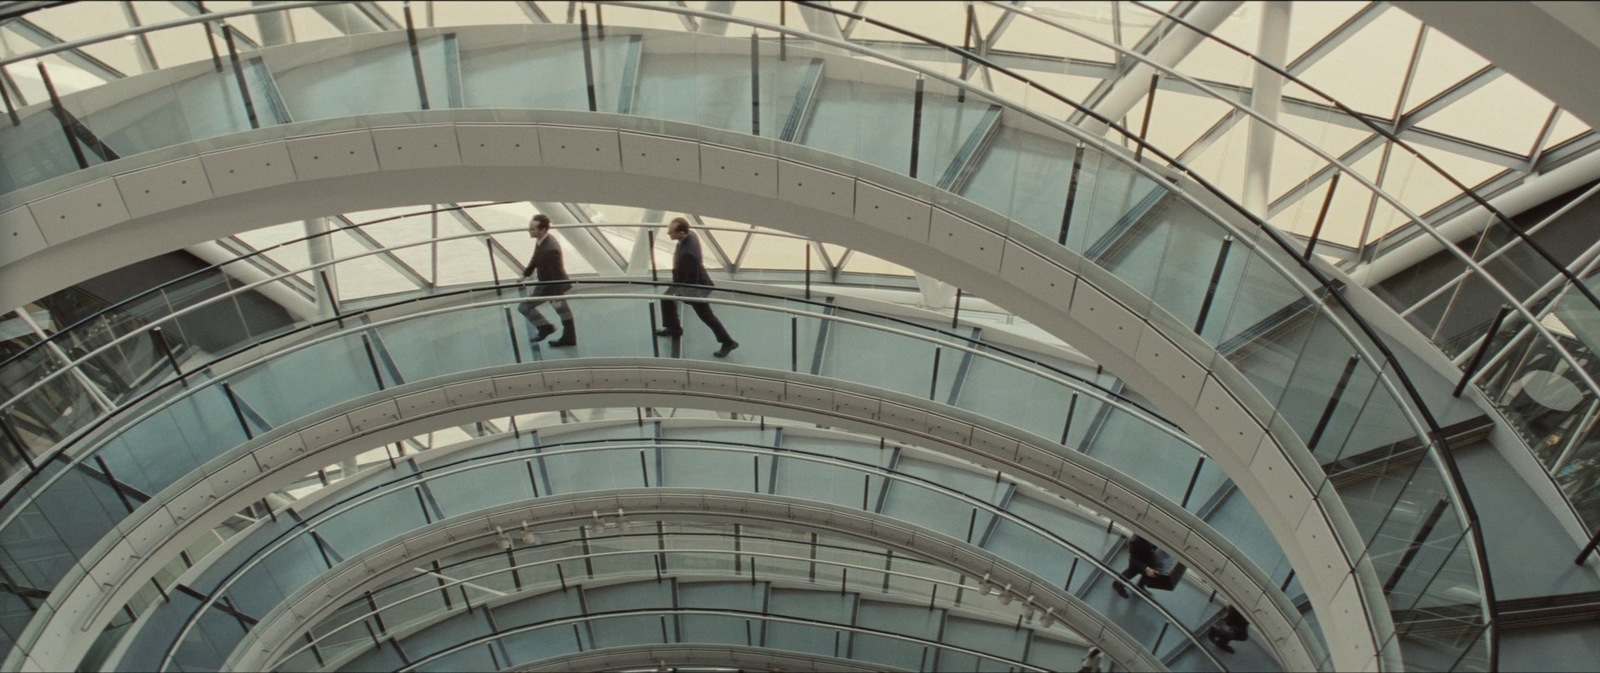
{"points": [[688, 262], [688, 267], [1142, 554], [548, 266]]}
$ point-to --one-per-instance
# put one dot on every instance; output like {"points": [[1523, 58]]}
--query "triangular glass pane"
{"points": [[1504, 114], [464, 257], [171, 47], [1178, 119], [1293, 163], [293, 256], [727, 234], [942, 21], [358, 276], [1567, 127], [1367, 70], [1222, 162], [1313, 21], [1422, 189], [1347, 214], [1443, 63], [473, 13], [778, 252], [1040, 31], [310, 25], [405, 231]]}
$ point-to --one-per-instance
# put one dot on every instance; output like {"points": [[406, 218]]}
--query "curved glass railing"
{"points": [[1545, 347], [1123, 217], [476, 328], [697, 557], [1025, 530]]}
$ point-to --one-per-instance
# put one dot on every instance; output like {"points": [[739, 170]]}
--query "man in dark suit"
{"points": [[1144, 560], [691, 280], [1233, 626], [551, 272]]}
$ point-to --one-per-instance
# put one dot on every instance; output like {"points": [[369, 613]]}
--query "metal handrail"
{"points": [[1079, 381], [1407, 386], [410, 480]]}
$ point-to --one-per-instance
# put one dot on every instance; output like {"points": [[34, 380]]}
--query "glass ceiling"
{"points": [[1484, 127]]}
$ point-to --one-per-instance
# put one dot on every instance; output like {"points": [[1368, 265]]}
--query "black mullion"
{"points": [[822, 336], [963, 368]]}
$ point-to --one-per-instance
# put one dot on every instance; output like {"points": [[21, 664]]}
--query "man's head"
{"points": [[678, 229], [539, 225]]}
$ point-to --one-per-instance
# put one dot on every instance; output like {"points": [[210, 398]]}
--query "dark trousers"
{"points": [[530, 309], [1137, 570], [669, 318]]}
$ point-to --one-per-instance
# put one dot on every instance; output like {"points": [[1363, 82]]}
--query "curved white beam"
{"points": [[117, 569], [583, 157]]}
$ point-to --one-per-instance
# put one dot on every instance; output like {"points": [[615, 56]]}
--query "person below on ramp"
{"points": [[691, 281], [552, 276]]}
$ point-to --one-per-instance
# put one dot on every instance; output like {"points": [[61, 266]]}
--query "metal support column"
{"points": [[1266, 100]]}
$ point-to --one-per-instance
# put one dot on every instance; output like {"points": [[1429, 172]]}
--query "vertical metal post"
{"points": [[238, 75], [1144, 126], [808, 270], [1194, 478], [588, 59], [416, 57], [211, 37], [1588, 549], [1333, 402], [755, 85], [1483, 347], [916, 126], [516, 348], [11, 110], [494, 269], [783, 37], [655, 344], [161, 342], [372, 359], [62, 117], [1216, 277], [653, 277], [333, 303], [794, 343], [238, 412], [955, 317], [1327, 200], [1072, 194], [966, 48], [1072, 408], [600, 21], [933, 383]]}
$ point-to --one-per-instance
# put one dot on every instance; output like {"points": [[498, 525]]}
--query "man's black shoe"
{"points": [[727, 347], [669, 332], [1121, 590], [544, 331]]}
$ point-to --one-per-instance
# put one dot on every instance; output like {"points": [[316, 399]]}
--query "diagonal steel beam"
{"points": [[32, 32], [1131, 87], [387, 256]]}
